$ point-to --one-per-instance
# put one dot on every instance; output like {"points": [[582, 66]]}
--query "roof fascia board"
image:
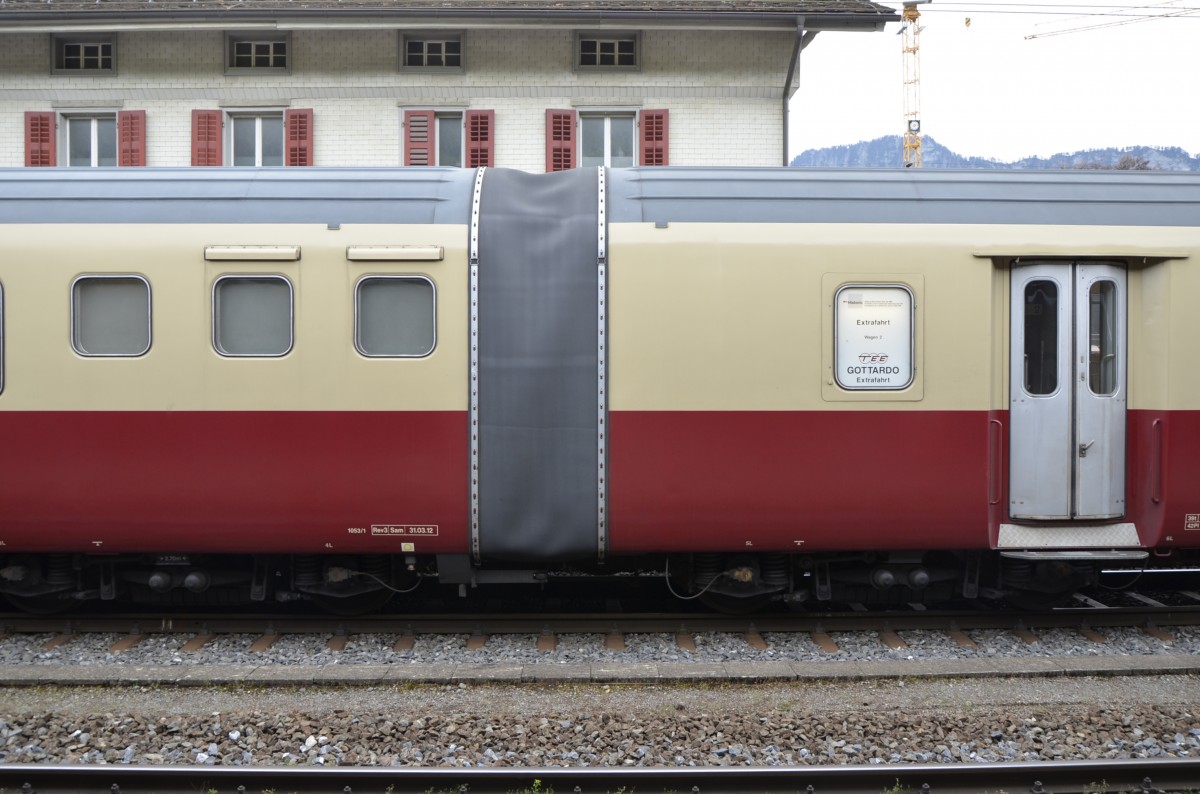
{"points": [[56, 23]]}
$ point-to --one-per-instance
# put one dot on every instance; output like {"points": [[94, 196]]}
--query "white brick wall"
{"points": [[722, 89]]}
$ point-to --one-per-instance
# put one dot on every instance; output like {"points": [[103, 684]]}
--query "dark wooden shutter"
{"points": [[40, 138], [206, 137], [418, 137], [131, 137], [654, 137], [560, 140], [481, 126], [298, 132]]}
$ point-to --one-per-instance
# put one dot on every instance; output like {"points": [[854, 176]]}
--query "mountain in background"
{"points": [[888, 152]]}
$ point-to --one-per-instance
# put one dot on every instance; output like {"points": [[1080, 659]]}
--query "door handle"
{"points": [[1083, 448]]}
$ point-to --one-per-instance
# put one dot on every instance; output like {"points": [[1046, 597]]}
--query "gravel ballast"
{"points": [[894, 721]]}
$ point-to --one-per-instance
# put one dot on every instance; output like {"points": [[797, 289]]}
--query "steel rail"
{"points": [[1060, 777], [655, 623]]}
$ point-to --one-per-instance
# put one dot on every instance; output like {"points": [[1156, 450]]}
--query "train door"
{"points": [[1068, 392]]}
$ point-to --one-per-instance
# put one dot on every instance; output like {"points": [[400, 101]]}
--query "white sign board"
{"points": [[874, 337]]}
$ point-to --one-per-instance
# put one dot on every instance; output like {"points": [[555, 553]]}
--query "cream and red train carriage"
{"points": [[226, 385]]}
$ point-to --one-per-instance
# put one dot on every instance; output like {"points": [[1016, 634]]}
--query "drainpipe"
{"points": [[803, 39]]}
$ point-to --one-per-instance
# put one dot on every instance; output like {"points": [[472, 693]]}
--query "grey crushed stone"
{"points": [[884, 721]]}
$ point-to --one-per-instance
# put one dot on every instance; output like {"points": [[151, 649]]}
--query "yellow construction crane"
{"points": [[911, 53]]}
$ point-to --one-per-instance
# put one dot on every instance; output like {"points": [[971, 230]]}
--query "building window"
{"points": [[395, 316], [607, 140], [256, 139], [110, 315], [873, 348], [441, 52], [453, 138], [91, 141], [256, 52], [607, 52], [90, 54], [252, 316]]}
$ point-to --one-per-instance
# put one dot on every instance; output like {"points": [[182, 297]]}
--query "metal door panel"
{"points": [[1040, 472], [1100, 391], [1068, 391]]}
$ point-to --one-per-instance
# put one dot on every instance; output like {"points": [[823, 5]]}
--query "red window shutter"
{"points": [[654, 137], [206, 137], [131, 137], [560, 140], [481, 125], [418, 137], [40, 138], [298, 126]]}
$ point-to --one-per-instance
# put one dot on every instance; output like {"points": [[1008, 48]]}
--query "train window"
{"points": [[395, 316], [875, 342], [1041, 338], [252, 316], [110, 315], [1102, 337]]}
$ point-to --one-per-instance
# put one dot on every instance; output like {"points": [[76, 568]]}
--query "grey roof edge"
{"points": [[863, 15], [791, 195], [330, 196]]}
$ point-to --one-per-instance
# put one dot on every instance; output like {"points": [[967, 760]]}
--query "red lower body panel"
{"points": [[233, 481], [798, 480]]}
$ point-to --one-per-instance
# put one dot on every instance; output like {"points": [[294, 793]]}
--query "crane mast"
{"points": [[911, 53]]}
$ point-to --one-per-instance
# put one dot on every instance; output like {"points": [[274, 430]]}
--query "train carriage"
{"points": [[227, 385]]}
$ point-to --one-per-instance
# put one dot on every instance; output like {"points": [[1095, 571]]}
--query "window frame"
{"points": [[215, 314], [233, 38], [911, 346], [358, 313], [64, 134], [615, 37], [608, 114], [75, 337], [230, 136], [59, 41], [439, 36]]}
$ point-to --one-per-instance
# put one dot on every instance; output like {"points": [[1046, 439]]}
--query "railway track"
{"points": [[1089, 620], [1170, 776]]}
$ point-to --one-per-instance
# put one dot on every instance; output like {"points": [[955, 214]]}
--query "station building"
{"points": [[537, 85]]}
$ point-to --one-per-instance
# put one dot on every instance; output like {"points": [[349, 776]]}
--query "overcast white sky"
{"points": [[989, 91]]}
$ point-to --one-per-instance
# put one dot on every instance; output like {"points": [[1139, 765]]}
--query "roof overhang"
{"points": [[31, 16]]}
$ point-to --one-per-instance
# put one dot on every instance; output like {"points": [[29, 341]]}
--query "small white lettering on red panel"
{"points": [[404, 530], [1191, 521]]}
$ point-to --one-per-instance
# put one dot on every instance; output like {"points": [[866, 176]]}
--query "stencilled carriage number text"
{"points": [[1191, 521], [397, 530]]}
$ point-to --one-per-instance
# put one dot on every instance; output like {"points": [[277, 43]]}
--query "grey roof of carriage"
{"points": [[661, 196], [817, 14]]}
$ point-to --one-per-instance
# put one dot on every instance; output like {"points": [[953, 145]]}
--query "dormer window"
{"points": [[606, 51], [85, 54], [434, 52], [253, 53]]}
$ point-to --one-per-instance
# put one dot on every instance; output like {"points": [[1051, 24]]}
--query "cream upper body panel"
{"points": [[733, 316], [182, 370]]}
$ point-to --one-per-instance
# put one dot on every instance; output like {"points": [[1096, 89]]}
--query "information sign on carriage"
{"points": [[874, 348]]}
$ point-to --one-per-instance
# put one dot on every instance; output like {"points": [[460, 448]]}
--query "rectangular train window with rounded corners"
{"points": [[395, 316], [874, 337], [252, 316], [110, 316]]}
